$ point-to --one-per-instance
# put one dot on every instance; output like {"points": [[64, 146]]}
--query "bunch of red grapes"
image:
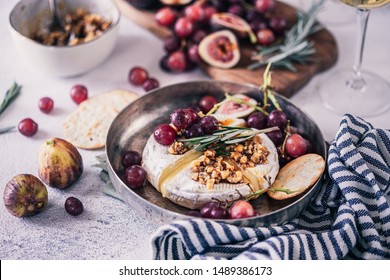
{"points": [[191, 23]]}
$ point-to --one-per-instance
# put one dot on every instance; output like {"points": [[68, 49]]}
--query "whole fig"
{"points": [[59, 163], [25, 195]]}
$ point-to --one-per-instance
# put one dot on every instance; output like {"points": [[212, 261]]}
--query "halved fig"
{"points": [[175, 2], [220, 49], [234, 23], [237, 109]]}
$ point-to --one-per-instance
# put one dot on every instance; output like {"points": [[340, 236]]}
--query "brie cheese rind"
{"points": [[171, 175]]}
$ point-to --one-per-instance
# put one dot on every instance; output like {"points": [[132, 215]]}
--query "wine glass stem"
{"points": [[357, 82]]}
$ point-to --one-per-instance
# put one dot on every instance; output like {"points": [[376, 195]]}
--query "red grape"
{"points": [[138, 75], [165, 134], [165, 16], [209, 11], [150, 84], [296, 145], [257, 120], [206, 103], [209, 124], [27, 127], [73, 206], [195, 13], [264, 6], [277, 118], [241, 209], [135, 176], [184, 27], [46, 104], [183, 118], [130, 158], [79, 93], [265, 37], [177, 61]]}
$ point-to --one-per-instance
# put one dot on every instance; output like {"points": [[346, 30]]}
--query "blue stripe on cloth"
{"points": [[349, 218]]}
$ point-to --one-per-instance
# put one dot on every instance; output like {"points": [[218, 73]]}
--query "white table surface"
{"points": [[109, 228]]}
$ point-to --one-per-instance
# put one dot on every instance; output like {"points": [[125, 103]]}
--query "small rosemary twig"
{"points": [[226, 136], [6, 129], [10, 96]]}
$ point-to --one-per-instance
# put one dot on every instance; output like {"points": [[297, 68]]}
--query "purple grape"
{"points": [[193, 54], [194, 107], [277, 118], [194, 130], [205, 210], [219, 213], [193, 213], [209, 124], [276, 137], [131, 158], [253, 15], [258, 25], [237, 10], [278, 24], [151, 84], [183, 118], [198, 36], [135, 176], [164, 65], [73, 206], [172, 43], [257, 120]]}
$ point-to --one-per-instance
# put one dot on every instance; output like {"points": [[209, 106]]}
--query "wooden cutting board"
{"points": [[283, 81]]}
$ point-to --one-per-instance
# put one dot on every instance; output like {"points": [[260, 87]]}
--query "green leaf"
{"points": [[10, 96]]}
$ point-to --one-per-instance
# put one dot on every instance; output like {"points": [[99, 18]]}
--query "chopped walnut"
{"points": [[177, 148], [79, 27], [210, 170], [249, 154]]}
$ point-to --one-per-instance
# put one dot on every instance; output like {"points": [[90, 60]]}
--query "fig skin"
{"points": [[59, 163], [25, 195]]}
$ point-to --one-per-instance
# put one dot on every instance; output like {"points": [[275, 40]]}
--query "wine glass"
{"points": [[355, 91]]}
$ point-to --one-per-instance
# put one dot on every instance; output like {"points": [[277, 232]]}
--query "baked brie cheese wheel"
{"points": [[194, 178]]}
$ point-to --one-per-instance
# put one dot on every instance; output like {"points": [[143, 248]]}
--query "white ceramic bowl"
{"points": [[28, 16]]}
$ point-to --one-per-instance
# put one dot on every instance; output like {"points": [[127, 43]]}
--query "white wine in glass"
{"points": [[355, 91]]}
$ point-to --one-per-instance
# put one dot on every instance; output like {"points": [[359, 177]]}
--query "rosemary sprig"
{"points": [[295, 48], [225, 136], [6, 129], [10, 96]]}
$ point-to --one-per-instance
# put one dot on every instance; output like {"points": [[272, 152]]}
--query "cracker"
{"points": [[297, 176], [87, 127]]}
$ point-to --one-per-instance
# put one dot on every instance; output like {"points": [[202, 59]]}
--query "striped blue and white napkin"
{"points": [[349, 219]]}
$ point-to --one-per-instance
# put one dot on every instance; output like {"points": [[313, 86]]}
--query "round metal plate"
{"points": [[133, 126]]}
